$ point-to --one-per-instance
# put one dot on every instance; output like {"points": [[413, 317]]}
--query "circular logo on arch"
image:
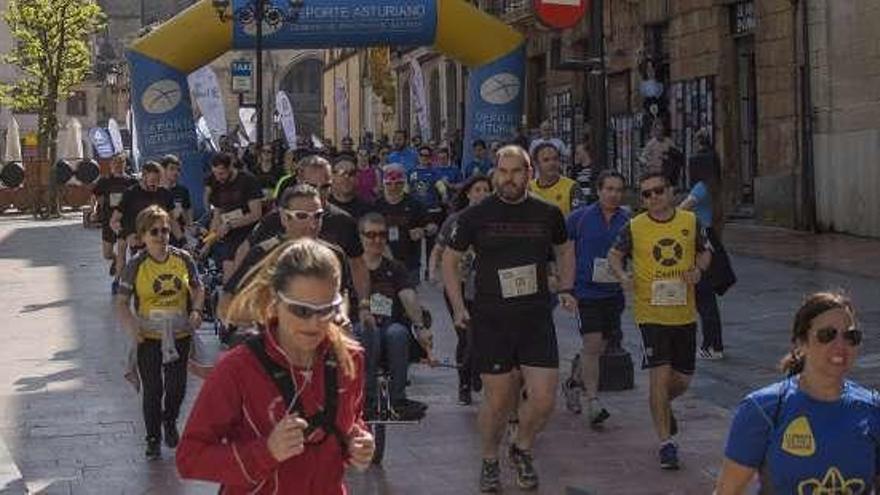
{"points": [[162, 96], [500, 89]]}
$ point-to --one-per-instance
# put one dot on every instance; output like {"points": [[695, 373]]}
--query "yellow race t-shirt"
{"points": [[160, 289], [661, 252], [564, 194]]}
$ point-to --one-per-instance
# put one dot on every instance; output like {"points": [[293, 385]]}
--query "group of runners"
{"points": [[331, 282]]}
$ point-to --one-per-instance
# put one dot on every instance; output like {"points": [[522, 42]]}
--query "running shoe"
{"points": [[154, 449], [526, 477], [408, 410], [710, 355], [572, 394], [596, 413], [172, 437], [669, 456], [490, 476]]}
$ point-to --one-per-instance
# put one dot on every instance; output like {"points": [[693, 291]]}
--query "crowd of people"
{"points": [[322, 257]]}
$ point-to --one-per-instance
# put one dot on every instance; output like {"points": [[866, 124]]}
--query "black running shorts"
{"points": [[506, 337], [601, 315], [672, 345]]}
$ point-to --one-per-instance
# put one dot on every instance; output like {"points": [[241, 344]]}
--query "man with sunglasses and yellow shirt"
{"points": [[669, 254]]}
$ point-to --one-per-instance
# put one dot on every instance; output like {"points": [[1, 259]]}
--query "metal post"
{"points": [[258, 18], [600, 116]]}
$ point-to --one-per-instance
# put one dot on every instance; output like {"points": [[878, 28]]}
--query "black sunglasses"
{"points": [[655, 191], [375, 234], [306, 311], [157, 231], [852, 336]]}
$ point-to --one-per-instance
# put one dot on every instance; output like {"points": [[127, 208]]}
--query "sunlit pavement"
{"points": [[72, 424]]}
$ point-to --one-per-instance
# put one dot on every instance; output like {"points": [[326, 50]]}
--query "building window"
{"points": [[560, 115], [742, 18], [77, 104]]}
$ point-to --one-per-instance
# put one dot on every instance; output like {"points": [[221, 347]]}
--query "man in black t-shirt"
{"points": [[337, 227], [406, 218], [107, 196], [182, 212], [301, 216], [513, 235], [236, 199], [342, 192]]}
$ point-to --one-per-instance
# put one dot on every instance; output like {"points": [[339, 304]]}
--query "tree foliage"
{"points": [[53, 54]]}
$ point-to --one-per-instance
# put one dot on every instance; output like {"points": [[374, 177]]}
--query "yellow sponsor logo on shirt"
{"points": [[798, 438]]}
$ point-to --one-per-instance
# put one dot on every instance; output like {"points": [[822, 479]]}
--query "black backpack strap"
{"points": [[279, 375], [326, 417]]}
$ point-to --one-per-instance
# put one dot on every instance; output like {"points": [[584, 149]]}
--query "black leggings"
{"points": [[173, 387], [464, 348]]}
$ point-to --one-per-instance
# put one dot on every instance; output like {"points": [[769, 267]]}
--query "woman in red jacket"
{"points": [[266, 419]]}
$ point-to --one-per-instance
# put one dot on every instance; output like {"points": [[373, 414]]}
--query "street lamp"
{"points": [[256, 12]]}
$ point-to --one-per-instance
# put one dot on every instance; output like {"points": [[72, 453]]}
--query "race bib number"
{"points": [[381, 305], [161, 315], [231, 216], [115, 199], [393, 234], [668, 293], [518, 281], [602, 272]]}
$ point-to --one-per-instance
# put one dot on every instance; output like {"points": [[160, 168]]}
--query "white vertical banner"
{"points": [[417, 97], [135, 151], [115, 135], [285, 112], [342, 116], [248, 118], [12, 151], [207, 95]]}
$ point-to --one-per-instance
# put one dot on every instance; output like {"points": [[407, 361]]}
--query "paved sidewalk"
{"points": [[831, 252], [73, 425]]}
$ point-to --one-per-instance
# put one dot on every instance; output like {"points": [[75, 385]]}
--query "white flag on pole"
{"points": [[206, 92], [417, 97], [115, 136], [285, 111]]}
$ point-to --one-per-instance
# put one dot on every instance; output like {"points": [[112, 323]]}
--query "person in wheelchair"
{"points": [[395, 305]]}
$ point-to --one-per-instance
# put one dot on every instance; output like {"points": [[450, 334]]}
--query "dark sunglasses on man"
{"points": [[654, 191], [375, 234]]}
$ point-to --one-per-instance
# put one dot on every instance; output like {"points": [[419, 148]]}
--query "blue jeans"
{"points": [[390, 340]]}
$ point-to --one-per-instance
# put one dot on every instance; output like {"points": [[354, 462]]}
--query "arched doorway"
{"points": [[303, 85]]}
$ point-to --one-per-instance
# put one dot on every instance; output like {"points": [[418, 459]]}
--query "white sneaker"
{"points": [[710, 355]]}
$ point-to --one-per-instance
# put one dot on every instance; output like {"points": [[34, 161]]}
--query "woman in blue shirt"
{"points": [[703, 199], [816, 432]]}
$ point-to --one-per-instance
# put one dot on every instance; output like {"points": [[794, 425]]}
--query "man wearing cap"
{"points": [[406, 219]]}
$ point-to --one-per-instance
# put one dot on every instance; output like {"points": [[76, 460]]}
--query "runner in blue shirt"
{"points": [[815, 432], [593, 229], [401, 153], [423, 179], [480, 164], [449, 175]]}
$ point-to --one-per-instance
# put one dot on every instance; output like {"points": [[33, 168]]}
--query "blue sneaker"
{"points": [[669, 456]]}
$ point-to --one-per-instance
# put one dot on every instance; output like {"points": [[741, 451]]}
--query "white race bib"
{"points": [[381, 305], [518, 281], [115, 199], [602, 272], [164, 314], [231, 216], [393, 234], [668, 293]]}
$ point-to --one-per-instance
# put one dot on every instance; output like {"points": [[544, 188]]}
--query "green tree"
{"points": [[53, 54]]}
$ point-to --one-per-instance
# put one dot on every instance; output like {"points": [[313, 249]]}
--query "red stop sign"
{"points": [[560, 14]]}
